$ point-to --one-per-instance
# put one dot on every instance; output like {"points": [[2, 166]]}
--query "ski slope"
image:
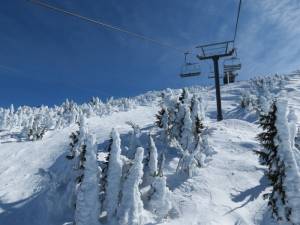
{"points": [[227, 191]]}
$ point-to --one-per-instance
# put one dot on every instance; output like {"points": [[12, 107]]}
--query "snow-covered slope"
{"points": [[227, 191]]}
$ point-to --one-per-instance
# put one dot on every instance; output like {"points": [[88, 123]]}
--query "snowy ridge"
{"points": [[36, 178]]}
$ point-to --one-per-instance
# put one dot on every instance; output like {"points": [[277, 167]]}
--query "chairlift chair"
{"points": [[189, 69], [231, 66]]}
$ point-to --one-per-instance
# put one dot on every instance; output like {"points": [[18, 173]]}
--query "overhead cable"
{"points": [[106, 25]]}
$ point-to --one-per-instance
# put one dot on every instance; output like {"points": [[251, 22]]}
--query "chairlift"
{"points": [[189, 69], [232, 64]]}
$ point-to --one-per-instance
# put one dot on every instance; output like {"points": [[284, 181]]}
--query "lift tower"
{"points": [[215, 51]]}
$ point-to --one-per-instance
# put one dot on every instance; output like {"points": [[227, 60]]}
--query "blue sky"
{"points": [[46, 57]]}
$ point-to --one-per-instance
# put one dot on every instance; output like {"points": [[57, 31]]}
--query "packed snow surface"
{"points": [[227, 191]]}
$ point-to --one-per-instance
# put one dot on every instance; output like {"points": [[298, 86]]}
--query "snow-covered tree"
{"points": [[87, 202], [279, 155], [267, 137], [104, 167], [161, 164], [160, 198], [134, 139], [152, 164], [131, 209], [159, 116], [187, 137], [114, 174], [287, 178], [165, 121], [185, 96], [73, 145]]}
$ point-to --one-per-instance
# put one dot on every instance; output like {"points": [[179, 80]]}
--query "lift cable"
{"points": [[108, 26], [237, 21]]}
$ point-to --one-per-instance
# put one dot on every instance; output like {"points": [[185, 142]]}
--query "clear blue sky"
{"points": [[46, 57]]}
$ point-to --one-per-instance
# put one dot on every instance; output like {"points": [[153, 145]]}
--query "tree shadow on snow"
{"points": [[250, 194], [242, 114], [22, 212], [47, 206]]}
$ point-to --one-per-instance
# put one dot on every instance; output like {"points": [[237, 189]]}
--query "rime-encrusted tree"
{"points": [[185, 96], [73, 145], [159, 117], [279, 156], [160, 198], [178, 121], [187, 137], [152, 157], [267, 136], [134, 139], [151, 162], [197, 116], [131, 209], [103, 181], [114, 174], [161, 164], [288, 182], [87, 201]]}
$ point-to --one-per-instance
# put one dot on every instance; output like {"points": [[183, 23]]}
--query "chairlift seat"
{"points": [[190, 69], [232, 68]]}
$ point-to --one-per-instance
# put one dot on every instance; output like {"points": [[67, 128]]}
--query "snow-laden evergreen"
{"points": [[187, 137], [160, 199], [152, 164], [134, 140], [286, 154], [114, 174], [131, 208], [87, 202]]}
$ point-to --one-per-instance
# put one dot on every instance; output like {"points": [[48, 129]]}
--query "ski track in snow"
{"points": [[228, 191]]}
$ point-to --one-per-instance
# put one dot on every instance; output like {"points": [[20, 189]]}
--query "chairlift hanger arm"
{"points": [[216, 43], [215, 56]]}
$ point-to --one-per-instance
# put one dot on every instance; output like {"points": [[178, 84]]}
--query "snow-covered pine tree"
{"points": [[152, 164], [161, 164], [114, 174], [185, 96], [103, 180], [87, 202], [131, 209], [160, 198], [287, 176], [177, 123], [134, 139], [80, 154], [73, 145], [187, 137], [4, 120], [266, 137], [166, 126], [159, 117], [197, 116], [279, 156]]}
